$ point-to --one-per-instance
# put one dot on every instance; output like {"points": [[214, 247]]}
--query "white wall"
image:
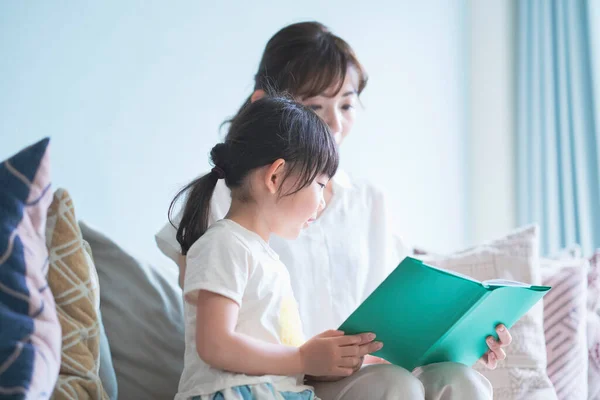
{"points": [[491, 141], [132, 94]]}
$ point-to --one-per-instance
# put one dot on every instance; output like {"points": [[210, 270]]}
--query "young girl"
{"points": [[350, 248], [243, 331]]}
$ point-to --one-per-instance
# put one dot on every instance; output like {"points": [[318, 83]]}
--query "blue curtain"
{"points": [[557, 141]]}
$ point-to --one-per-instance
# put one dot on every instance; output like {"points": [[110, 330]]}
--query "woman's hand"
{"points": [[496, 353]]}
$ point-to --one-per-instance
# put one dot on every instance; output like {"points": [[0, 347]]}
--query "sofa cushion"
{"points": [[514, 257], [74, 282], [142, 311], [30, 332]]}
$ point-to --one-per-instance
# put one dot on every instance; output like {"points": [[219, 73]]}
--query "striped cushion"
{"points": [[594, 283], [522, 376], [565, 315], [593, 327], [29, 328]]}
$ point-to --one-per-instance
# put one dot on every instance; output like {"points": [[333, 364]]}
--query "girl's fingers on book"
{"points": [[340, 371], [349, 362], [350, 351], [504, 335], [374, 360], [331, 333], [366, 337], [348, 340], [369, 348], [360, 364]]}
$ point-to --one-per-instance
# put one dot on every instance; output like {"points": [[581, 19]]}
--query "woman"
{"points": [[336, 263]]}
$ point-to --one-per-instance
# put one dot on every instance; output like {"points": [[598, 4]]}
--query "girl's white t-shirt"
{"points": [[236, 263], [337, 261]]}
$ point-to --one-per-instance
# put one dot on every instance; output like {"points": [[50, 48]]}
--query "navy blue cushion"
{"points": [[30, 335]]}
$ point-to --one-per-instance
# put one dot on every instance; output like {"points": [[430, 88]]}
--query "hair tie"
{"points": [[219, 172]]}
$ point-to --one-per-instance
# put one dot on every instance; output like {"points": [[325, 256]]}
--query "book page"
{"points": [[505, 282], [450, 272]]}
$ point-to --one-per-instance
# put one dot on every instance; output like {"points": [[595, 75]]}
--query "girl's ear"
{"points": [[274, 175], [257, 95]]}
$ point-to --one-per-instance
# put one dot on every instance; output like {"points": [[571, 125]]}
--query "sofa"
{"points": [[83, 318]]}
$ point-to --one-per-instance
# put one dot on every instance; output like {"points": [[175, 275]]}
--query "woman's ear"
{"points": [[274, 175], [257, 95]]}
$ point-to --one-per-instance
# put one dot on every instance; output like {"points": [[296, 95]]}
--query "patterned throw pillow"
{"points": [[74, 282], [565, 323], [29, 328], [594, 283], [593, 328], [515, 257]]}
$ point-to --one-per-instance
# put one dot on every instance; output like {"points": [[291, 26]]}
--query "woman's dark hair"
{"points": [[305, 59], [268, 129]]}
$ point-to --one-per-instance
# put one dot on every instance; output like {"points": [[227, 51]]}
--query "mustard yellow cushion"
{"points": [[73, 280]]}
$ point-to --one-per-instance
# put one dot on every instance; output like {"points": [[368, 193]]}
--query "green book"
{"points": [[424, 315]]}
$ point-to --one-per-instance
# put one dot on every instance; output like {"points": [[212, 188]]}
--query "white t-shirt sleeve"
{"points": [[219, 206], [166, 239], [220, 266]]}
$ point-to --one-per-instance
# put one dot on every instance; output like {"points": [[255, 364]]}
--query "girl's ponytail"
{"points": [[194, 219]]}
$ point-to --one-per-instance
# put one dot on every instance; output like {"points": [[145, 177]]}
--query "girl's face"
{"points": [[337, 109], [299, 210]]}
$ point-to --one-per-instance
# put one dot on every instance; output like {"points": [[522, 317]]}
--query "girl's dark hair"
{"points": [[268, 129], [305, 59]]}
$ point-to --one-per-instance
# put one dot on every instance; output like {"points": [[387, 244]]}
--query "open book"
{"points": [[425, 315]]}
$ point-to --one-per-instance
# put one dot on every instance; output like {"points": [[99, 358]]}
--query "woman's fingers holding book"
{"points": [[503, 335], [491, 361], [496, 353], [500, 354], [493, 344], [504, 338]]}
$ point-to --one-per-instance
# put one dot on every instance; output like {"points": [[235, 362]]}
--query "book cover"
{"points": [[424, 315]]}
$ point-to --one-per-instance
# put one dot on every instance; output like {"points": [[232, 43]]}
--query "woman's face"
{"points": [[337, 109]]}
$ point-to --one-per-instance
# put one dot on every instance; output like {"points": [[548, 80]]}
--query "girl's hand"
{"points": [[332, 354], [370, 360], [496, 353]]}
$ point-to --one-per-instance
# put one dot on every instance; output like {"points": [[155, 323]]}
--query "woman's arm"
{"points": [[217, 343]]}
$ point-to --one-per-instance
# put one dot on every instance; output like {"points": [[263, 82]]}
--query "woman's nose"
{"points": [[334, 121]]}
